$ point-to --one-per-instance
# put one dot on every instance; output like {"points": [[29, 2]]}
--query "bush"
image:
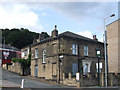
{"points": [[24, 62]]}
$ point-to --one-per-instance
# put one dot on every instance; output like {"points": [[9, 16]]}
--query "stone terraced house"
{"points": [[65, 53]]}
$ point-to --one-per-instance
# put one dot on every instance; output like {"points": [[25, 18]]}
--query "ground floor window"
{"points": [[100, 66], [74, 68]]}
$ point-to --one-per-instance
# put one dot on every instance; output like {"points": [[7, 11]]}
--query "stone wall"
{"points": [[48, 70], [17, 68], [69, 80], [113, 80]]}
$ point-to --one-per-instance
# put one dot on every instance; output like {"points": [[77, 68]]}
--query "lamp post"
{"points": [[105, 49], [98, 51]]}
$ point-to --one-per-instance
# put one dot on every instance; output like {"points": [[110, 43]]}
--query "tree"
{"points": [[25, 63], [20, 38]]}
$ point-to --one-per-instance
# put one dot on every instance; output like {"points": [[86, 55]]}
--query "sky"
{"points": [[83, 18]]}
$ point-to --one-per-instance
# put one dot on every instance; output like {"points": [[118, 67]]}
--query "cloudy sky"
{"points": [[84, 18]]}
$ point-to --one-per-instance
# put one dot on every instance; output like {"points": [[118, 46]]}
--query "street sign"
{"points": [[98, 52]]}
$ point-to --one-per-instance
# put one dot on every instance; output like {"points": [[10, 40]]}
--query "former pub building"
{"points": [[65, 53]]}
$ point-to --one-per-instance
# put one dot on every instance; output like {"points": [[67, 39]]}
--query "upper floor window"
{"points": [[44, 56], [36, 53], [25, 52], [74, 49], [85, 50]]}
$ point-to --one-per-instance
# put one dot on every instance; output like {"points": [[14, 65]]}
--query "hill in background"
{"points": [[19, 38]]}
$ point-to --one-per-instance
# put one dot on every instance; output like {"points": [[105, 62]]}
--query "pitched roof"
{"points": [[8, 47], [73, 35], [67, 34]]}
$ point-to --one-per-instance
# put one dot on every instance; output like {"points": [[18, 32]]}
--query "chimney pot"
{"points": [[55, 32], [94, 37], [55, 27]]}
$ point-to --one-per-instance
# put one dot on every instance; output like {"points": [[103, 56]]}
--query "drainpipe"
{"points": [[78, 60], [59, 58]]}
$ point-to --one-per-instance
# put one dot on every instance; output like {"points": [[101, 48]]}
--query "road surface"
{"points": [[10, 79]]}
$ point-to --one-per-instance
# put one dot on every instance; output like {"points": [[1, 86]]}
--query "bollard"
{"points": [[22, 83]]}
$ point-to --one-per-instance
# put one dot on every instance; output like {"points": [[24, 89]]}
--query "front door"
{"points": [[36, 70]]}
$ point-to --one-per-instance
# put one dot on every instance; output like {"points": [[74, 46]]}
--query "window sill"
{"points": [[85, 55], [36, 58], [54, 75], [75, 54], [44, 63]]}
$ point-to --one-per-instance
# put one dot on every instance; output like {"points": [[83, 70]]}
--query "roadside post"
{"points": [[22, 83]]}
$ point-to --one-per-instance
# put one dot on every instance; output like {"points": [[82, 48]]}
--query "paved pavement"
{"points": [[10, 79]]}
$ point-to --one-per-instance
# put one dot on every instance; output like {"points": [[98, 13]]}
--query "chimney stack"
{"points": [[34, 41], [41, 36], [94, 37], [55, 32]]}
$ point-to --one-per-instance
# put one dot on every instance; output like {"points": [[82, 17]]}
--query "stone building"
{"points": [[25, 52], [113, 40], [65, 53]]}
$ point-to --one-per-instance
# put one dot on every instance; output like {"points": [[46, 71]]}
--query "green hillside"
{"points": [[19, 38]]}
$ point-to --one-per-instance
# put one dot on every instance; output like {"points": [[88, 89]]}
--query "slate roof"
{"points": [[8, 47], [73, 35], [67, 34]]}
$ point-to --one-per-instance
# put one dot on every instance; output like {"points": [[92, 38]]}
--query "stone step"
{"points": [[71, 84]]}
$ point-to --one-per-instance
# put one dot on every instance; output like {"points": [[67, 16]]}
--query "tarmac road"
{"points": [[10, 79]]}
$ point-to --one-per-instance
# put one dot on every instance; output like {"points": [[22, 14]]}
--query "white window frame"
{"points": [[23, 54], [74, 49], [85, 50], [100, 66], [44, 56], [36, 52], [26, 51]]}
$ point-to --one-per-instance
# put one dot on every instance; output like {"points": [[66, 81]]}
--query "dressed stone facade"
{"points": [[64, 53]]}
